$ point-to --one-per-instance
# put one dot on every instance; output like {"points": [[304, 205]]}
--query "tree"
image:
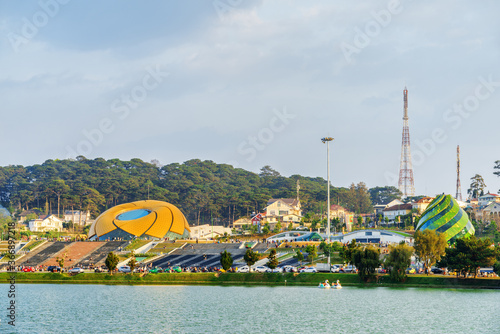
{"points": [[429, 247], [468, 255], [272, 259], [312, 253], [265, 229], [398, 260], [497, 167], [132, 263], [347, 252], [366, 260], [226, 260], [384, 195], [111, 262], [250, 257], [477, 186], [299, 256], [60, 261], [267, 171], [496, 267]]}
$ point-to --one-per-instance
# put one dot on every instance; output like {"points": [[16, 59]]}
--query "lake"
{"points": [[70, 308]]}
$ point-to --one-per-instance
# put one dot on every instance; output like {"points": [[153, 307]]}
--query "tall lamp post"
{"points": [[327, 140]]}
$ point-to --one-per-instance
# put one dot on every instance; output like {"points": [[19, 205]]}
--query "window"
{"points": [[279, 204]]}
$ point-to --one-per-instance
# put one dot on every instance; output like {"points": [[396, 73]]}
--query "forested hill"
{"points": [[201, 189]]}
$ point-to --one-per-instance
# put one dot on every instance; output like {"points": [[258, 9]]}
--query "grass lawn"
{"points": [[137, 243]]}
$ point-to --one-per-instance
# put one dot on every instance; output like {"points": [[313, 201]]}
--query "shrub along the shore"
{"points": [[252, 279]]}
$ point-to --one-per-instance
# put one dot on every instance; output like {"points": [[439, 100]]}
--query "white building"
{"points": [[492, 212], [397, 210], [285, 210], [487, 199], [374, 236], [77, 217], [46, 223], [205, 232], [379, 208]]}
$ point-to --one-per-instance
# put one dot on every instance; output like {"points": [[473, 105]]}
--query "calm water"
{"points": [[212, 309]]}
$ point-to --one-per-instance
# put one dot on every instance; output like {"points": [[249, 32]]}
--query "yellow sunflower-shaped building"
{"points": [[150, 219]]}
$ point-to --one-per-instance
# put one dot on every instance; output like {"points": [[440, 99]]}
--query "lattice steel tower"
{"points": [[458, 196], [406, 185]]}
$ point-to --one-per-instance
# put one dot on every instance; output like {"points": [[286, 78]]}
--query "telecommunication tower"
{"points": [[458, 196], [406, 184]]}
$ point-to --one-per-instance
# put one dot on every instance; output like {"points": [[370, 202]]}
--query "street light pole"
{"points": [[327, 140]]}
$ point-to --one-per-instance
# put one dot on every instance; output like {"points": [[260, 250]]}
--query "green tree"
{"points": [[468, 255], [429, 247], [111, 262], [348, 251], [398, 260], [299, 256], [366, 260], [226, 260], [497, 167], [496, 267], [277, 228], [384, 195], [250, 257], [132, 263], [477, 186], [272, 259], [265, 229], [60, 261], [267, 171], [312, 253]]}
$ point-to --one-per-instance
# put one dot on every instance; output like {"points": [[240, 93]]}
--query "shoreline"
{"points": [[250, 279]]}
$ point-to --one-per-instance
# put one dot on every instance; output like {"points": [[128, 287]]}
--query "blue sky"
{"points": [[255, 83]]}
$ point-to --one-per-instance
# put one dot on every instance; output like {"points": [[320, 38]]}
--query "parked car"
{"points": [[76, 270], [260, 269], [275, 270], [98, 270], [124, 269], [243, 269], [54, 269], [381, 270], [348, 269], [289, 269], [437, 271], [28, 269], [308, 270], [411, 271], [335, 268]]}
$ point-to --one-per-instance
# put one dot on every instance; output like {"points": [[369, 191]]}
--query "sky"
{"points": [[256, 82]]}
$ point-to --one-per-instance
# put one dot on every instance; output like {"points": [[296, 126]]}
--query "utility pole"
{"points": [[406, 182], [327, 140]]}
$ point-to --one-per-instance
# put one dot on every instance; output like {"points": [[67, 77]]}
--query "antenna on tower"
{"points": [[406, 183], [458, 196]]}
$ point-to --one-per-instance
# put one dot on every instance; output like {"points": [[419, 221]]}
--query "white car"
{"points": [[260, 269], [75, 271], [243, 269], [124, 269], [275, 270], [308, 270], [335, 268], [289, 269]]}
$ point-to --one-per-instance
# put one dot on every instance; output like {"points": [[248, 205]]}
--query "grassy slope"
{"points": [[248, 279]]}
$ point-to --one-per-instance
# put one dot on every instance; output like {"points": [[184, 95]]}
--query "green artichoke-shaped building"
{"points": [[444, 215]]}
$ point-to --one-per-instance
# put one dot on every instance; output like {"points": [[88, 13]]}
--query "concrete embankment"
{"points": [[249, 279]]}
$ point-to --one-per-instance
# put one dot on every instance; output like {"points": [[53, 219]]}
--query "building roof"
{"points": [[289, 201], [425, 200], [399, 207], [489, 195]]}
